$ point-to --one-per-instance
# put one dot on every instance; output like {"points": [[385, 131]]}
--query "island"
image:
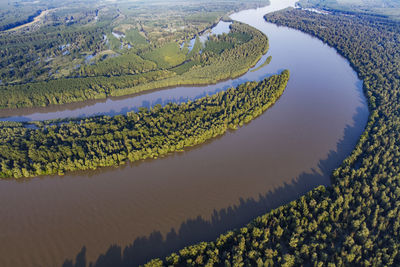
{"points": [[355, 221], [59, 146]]}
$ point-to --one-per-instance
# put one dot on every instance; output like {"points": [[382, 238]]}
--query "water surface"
{"points": [[153, 207]]}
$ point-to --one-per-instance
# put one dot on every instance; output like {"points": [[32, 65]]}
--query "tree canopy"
{"points": [[58, 146], [356, 220]]}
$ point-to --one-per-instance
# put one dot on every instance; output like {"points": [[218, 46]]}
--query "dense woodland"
{"points": [[355, 221], [15, 13], [90, 38], [56, 147], [384, 8], [70, 30], [224, 56], [266, 62], [50, 51]]}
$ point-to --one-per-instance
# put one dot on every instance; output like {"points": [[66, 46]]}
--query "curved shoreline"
{"points": [[158, 205], [256, 97], [316, 228], [45, 93]]}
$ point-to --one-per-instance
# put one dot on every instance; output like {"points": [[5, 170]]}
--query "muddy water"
{"points": [[150, 208]]}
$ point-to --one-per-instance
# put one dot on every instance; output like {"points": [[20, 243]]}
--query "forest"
{"points": [[224, 56], [81, 42], [384, 8], [356, 220], [55, 147], [21, 22]]}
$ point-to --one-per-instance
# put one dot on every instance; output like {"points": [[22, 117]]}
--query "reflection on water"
{"points": [[220, 28], [122, 105], [147, 209]]}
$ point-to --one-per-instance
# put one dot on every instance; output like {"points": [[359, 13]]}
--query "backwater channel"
{"points": [[153, 207]]}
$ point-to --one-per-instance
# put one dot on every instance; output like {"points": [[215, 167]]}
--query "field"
{"points": [[167, 56], [73, 37]]}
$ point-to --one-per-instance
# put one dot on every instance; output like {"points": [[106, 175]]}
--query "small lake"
{"points": [[122, 105], [220, 28], [153, 207]]}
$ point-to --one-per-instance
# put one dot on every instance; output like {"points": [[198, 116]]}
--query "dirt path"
{"points": [[36, 19]]}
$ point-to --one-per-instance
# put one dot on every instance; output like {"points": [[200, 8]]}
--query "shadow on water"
{"points": [[152, 97], [142, 249], [162, 100]]}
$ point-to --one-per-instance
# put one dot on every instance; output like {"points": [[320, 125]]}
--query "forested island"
{"points": [[57, 147], [97, 52], [355, 221], [93, 51], [266, 62], [224, 56]]}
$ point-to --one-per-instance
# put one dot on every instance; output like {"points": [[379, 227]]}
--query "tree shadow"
{"points": [[192, 231]]}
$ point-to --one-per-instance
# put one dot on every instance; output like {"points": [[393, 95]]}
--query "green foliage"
{"points": [[208, 17], [73, 90], [386, 8], [54, 46], [185, 67], [218, 46], [128, 63], [133, 37], [355, 221], [199, 69], [230, 63], [110, 141], [16, 13], [37, 55], [266, 62], [240, 37], [166, 56], [15, 23]]}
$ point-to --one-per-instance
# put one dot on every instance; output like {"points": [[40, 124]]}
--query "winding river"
{"points": [[150, 208]]}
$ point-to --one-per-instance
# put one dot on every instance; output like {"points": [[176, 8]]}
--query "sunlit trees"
{"points": [[56, 147], [355, 221], [130, 73]]}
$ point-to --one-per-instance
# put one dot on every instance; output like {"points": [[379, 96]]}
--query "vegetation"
{"points": [[56, 147], [113, 42], [133, 36], [222, 64], [38, 55], [244, 46], [385, 8], [116, 66], [21, 22], [355, 221], [197, 47], [72, 90], [16, 13], [70, 30], [167, 56], [266, 62]]}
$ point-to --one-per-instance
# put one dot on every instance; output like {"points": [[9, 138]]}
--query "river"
{"points": [[150, 208]]}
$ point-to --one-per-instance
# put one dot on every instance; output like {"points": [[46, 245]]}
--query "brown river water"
{"points": [[125, 216]]}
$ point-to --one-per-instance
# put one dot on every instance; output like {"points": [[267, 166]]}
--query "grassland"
{"points": [[167, 56], [76, 41], [131, 73]]}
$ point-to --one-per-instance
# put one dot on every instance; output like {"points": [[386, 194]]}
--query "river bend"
{"points": [[155, 206]]}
